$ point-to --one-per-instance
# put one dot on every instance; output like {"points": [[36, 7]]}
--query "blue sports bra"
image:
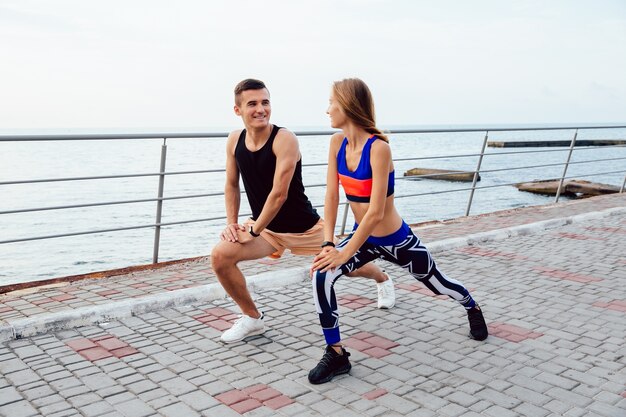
{"points": [[358, 183]]}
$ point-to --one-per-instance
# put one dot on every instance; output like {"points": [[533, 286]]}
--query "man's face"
{"points": [[254, 108]]}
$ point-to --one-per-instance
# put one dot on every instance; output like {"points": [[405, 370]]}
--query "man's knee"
{"points": [[222, 257]]}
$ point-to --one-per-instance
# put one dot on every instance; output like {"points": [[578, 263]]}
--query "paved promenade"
{"points": [[551, 281]]}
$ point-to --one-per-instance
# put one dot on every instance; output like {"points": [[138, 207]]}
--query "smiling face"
{"points": [[254, 108], [336, 114]]}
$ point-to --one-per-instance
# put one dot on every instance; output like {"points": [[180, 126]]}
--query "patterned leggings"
{"points": [[410, 254]]}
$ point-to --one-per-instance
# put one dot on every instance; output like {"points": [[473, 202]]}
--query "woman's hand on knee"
{"points": [[328, 259]]}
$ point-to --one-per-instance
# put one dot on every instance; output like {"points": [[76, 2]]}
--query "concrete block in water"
{"points": [[441, 174]]}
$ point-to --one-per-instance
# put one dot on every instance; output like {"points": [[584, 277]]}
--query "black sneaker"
{"points": [[478, 327], [331, 364]]}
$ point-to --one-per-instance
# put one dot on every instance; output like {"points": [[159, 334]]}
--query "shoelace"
{"points": [[241, 316], [239, 320], [474, 318], [382, 290], [326, 359]]}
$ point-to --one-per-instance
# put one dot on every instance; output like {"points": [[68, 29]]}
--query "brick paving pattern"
{"points": [[555, 304]]}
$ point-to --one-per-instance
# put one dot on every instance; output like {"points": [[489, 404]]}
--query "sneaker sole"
{"points": [[330, 377], [255, 333], [471, 336], [387, 307]]}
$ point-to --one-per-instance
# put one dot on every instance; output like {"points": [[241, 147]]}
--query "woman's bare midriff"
{"points": [[391, 220]]}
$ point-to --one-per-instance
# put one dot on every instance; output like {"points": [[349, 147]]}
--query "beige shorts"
{"points": [[305, 243]]}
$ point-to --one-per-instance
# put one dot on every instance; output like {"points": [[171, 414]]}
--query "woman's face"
{"points": [[335, 112]]}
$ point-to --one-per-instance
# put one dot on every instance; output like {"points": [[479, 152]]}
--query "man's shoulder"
{"points": [[235, 133], [285, 137], [233, 136], [231, 141], [283, 132]]}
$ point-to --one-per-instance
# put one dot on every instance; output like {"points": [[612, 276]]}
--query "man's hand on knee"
{"points": [[230, 234]]}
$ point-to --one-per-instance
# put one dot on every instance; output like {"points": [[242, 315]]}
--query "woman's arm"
{"points": [[331, 201]]}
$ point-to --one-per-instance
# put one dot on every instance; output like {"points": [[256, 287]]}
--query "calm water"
{"points": [[27, 261]]}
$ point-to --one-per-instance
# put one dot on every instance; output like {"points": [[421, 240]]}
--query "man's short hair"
{"points": [[247, 84]]}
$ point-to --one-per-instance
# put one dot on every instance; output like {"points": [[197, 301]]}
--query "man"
{"points": [[269, 161]]}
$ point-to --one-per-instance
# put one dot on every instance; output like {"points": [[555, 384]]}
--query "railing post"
{"points": [[345, 218], [157, 229], [569, 156], [476, 173], [623, 185]]}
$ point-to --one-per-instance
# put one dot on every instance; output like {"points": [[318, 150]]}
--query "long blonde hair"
{"points": [[355, 98]]}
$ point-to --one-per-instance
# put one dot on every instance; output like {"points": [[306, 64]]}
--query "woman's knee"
{"points": [[320, 281], [318, 277]]}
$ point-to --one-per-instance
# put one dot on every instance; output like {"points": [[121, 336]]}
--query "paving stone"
{"points": [[119, 398], [326, 407], [177, 410], [55, 407], [38, 392], [96, 409], [527, 396], [496, 411], [568, 397], [462, 399], [557, 380], [154, 394], [134, 408], [177, 386], [162, 401], [452, 410], [221, 411], [526, 409], [22, 377], [141, 386], [500, 399], [18, 409], [199, 400], [9, 395]]}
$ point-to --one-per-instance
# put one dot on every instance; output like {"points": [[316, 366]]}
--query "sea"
{"points": [[418, 200]]}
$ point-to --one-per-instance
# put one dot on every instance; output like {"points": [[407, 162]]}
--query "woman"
{"points": [[360, 159]]}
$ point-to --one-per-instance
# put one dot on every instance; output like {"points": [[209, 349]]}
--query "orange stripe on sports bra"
{"points": [[356, 187]]}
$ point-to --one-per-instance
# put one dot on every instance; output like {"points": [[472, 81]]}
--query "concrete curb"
{"points": [[84, 316]]}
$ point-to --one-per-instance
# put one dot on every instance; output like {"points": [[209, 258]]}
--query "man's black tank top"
{"points": [[257, 169]]}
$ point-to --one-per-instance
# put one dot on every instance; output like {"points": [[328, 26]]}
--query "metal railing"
{"points": [[162, 174]]}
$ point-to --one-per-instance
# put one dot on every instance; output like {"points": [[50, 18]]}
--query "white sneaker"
{"points": [[386, 293], [243, 327]]}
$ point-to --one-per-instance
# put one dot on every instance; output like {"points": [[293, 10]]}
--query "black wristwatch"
{"points": [[251, 231], [328, 243]]}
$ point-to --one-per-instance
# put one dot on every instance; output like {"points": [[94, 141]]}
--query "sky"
{"points": [[156, 64]]}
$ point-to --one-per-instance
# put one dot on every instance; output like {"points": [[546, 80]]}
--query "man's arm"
{"points": [[287, 153], [232, 194]]}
